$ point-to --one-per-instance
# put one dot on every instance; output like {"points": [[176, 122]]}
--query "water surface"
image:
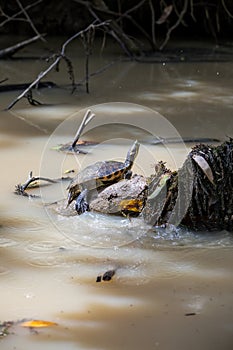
{"points": [[172, 289]]}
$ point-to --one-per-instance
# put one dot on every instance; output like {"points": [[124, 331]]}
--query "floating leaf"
{"points": [[68, 171], [204, 165], [38, 324]]}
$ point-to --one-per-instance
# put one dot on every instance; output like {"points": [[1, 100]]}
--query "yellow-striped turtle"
{"points": [[99, 175]]}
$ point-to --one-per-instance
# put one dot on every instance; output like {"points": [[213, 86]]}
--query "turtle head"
{"points": [[132, 154]]}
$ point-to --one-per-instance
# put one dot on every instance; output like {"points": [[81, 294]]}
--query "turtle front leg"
{"points": [[81, 204], [128, 175]]}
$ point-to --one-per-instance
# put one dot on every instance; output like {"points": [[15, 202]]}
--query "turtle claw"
{"points": [[81, 204]]}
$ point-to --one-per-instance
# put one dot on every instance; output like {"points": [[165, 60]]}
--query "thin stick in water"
{"points": [[86, 119]]}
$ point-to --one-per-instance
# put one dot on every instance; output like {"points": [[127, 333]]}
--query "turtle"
{"points": [[99, 175]]}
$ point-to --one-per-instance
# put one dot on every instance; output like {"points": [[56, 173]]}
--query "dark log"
{"points": [[198, 196]]}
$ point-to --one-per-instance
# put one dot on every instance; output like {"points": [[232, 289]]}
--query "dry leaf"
{"points": [[204, 165], [37, 324], [166, 12], [161, 185], [132, 205]]}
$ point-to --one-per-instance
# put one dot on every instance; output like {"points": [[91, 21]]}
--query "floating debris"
{"points": [[190, 314], [10, 327], [107, 276], [98, 278], [38, 324], [5, 327]]}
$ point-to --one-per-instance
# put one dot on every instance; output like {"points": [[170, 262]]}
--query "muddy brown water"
{"points": [[171, 289]]}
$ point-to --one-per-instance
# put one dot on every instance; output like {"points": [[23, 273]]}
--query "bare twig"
{"points": [[226, 9], [114, 29], [29, 19], [152, 22], [88, 39], [119, 11], [3, 80], [179, 20], [211, 27], [14, 16], [55, 63], [100, 70], [177, 13], [192, 11], [134, 8]]}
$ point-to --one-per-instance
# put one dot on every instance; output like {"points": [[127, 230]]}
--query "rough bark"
{"points": [[199, 195]]}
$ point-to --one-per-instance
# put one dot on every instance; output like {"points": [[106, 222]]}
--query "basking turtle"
{"points": [[97, 175]]}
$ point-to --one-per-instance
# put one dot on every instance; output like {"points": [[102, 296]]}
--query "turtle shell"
{"points": [[99, 174]]}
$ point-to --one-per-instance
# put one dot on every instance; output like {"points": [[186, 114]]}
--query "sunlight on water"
{"points": [[95, 230], [184, 94]]}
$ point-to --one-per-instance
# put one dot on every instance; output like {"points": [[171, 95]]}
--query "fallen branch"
{"points": [[11, 50], [21, 188], [58, 58]]}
